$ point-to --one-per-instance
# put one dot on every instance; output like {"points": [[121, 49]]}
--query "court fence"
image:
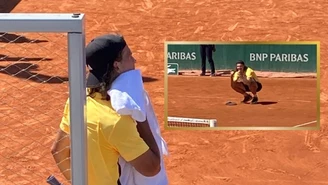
{"points": [[37, 51]]}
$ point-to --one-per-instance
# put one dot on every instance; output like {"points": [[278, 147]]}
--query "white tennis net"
{"points": [[190, 122]]}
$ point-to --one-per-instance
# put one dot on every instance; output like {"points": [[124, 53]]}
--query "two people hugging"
{"points": [[124, 141]]}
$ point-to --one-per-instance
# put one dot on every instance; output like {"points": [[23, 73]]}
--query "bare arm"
{"points": [[213, 48], [248, 78], [146, 134], [148, 163], [61, 152], [235, 76], [246, 81], [136, 145]]}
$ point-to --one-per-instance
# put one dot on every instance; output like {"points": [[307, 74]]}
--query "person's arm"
{"points": [[126, 140], [61, 153], [246, 81], [61, 147], [235, 76], [249, 73], [213, 48], [146, 134], [249, 76]]}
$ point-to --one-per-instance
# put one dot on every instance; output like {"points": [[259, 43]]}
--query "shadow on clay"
{"points": [[22, 59], [267, 102], [13, 38], [26, 71], [148, 79], [8, 6]]}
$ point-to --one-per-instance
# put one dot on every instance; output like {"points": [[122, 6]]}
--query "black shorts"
{"points": [[259, 87]]}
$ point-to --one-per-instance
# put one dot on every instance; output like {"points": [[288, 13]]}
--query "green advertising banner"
{"points": [[260, 57]]}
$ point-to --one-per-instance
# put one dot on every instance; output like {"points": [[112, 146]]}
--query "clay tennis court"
{"points": [[31, 111], [280, 99]]}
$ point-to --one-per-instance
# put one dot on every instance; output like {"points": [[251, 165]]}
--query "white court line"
{"points": [[307, 123], [285, 181]]}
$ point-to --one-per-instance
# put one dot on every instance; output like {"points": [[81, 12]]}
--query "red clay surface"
{"points": [[279, 101], [196, 157]]}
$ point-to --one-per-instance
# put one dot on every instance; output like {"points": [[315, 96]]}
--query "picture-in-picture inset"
{"points": [[250, 85]]}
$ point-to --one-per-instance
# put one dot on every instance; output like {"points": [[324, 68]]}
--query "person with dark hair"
{"points": [[206, 51], [109, 134], [243, 80]]}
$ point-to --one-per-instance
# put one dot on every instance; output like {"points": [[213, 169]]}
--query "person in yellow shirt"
{"points": [[243, 80], [109, 135]]}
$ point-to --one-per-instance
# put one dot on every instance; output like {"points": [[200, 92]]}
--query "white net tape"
{"points": [[190, 122]]}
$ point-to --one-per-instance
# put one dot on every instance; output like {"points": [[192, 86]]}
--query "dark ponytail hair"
{"points": [[108, 78]]}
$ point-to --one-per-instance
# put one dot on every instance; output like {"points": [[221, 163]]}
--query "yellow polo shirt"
{"points": [[109, 136], [249, 74]]}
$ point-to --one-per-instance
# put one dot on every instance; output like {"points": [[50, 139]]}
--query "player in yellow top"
{"points": [[244, 80], [109, 135]]}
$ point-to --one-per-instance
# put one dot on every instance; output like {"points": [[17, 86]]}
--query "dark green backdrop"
{"points": [[226, 55]]}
